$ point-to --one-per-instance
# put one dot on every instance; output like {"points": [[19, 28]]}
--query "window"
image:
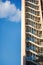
{"points": [[31, 47], [35, 40], [27, 15], [36, 19], [29, 57], [28, 37], [37, 13], [34, 57], [28, 29], [28, 48], [27, 9], [32, 17], [33, 31], [32, 39], [26, 4], [28, 54], [26, 20]]}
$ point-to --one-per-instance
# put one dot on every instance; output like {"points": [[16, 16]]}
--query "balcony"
{"points": [[27, 15], [31, 5], [32, 14], [33, 39], [32, 47], [33, 21], [31, 57], [30, 62], [33, 32], [33, 24], [31, 11], [33, 1], [30, 26], [37, 44]]}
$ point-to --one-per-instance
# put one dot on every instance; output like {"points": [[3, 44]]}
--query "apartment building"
{"points": [[32, 32]]}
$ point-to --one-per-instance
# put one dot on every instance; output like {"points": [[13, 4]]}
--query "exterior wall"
{"points": [[23, 34], [41, 18]]}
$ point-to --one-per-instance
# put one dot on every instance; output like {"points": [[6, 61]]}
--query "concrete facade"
{"points": [[32, 32]]}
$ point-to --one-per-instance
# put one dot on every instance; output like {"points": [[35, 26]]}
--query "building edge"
{"points": [[23, 33]]}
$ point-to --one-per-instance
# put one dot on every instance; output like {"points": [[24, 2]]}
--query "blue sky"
{"points": [[10, 32], [16, 2]]}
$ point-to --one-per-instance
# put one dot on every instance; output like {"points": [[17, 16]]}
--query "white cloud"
{"points": [[9, 11]]}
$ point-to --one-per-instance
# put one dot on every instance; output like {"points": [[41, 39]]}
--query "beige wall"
{"points": [[23, 33]]}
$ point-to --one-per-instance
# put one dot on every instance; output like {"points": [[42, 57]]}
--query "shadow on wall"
{"points": [[42, 4], [24, 60]]}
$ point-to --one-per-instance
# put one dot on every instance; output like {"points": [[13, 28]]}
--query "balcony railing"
{"points": [[27, 15], [31, 48], [32, 31], [31, 5], [31, 58], [32, 39], [31, 11], [33, 1], [37, 26]]}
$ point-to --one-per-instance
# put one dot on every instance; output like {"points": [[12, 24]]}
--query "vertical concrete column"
{"points": [[23, 54]]}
